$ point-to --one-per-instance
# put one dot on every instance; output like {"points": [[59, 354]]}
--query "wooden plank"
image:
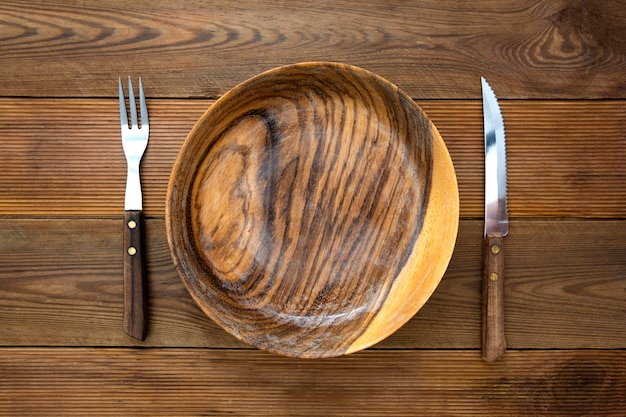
{"points": [[155, 382], [431, 49], [61, 285], [564, 157]]}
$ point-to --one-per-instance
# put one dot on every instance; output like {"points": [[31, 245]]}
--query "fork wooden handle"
{"points": [[134, 300], [493, 341]]}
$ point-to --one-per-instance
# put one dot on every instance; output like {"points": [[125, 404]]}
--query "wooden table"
{"points": [[559, 68]]}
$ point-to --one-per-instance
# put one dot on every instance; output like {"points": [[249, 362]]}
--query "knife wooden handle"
{"points": [[134, 301], [493, 342]]}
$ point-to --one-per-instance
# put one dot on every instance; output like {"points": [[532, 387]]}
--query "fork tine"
{"points": [[142, 106], [123, 115], [131, 99]]}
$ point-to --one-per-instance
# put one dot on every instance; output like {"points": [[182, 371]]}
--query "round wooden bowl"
{"points": [[312, 210]]}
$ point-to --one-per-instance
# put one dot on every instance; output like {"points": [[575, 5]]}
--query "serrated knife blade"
{"points": [[496, 215], [496, 227]]}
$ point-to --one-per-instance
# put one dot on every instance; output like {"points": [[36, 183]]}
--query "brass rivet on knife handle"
{"points": [[493, 343], [134, 304]]}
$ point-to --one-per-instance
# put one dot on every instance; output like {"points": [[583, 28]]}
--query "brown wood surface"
{"points": [[430, 48], [558, 67], [563, 292], [182, 382], [565, 158]]}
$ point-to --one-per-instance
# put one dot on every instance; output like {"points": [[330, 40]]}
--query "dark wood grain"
{"points": [[558, 67], [564, 291], [312, 210], [135, 319], [564, 157], [431, 49], [154, 382]]}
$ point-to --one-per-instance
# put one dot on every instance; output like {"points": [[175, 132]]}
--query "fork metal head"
{"points": [[133, 109], [134, 141]]}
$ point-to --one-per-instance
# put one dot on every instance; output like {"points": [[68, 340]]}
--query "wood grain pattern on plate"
{"points": [[312, 210]]}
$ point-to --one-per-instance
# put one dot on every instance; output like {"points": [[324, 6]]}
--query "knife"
{"points": [[496, 227]]}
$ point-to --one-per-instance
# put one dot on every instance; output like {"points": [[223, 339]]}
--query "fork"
{"points": [[134, 142]]}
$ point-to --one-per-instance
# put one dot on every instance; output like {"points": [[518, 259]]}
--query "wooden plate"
{"points": [[312, 210]]}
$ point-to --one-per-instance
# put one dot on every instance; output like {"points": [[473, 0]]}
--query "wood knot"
{"points": [[582, 385], [588, 24]]}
